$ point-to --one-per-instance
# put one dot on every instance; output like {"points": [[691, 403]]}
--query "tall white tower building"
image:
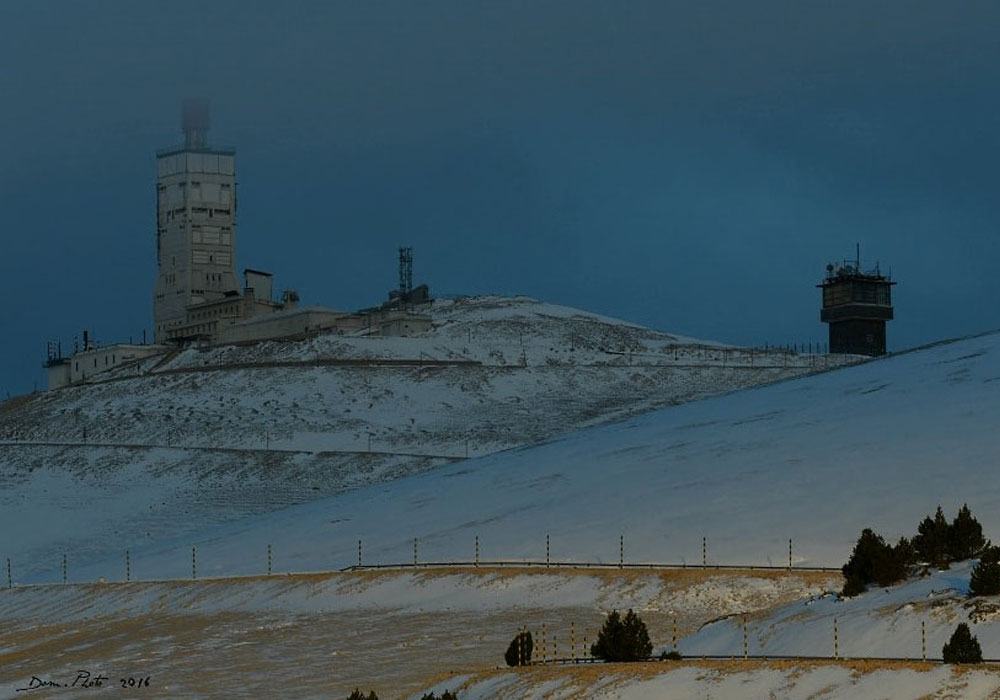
{"points": [[195, 223]]}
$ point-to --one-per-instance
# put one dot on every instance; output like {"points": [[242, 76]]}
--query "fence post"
{"points": [[194, 564], [414, 552], [746, 652], [359, 553], [675, 634], [10, 582], [923, 641], [128, 566], [704, 552], [547, 551], [621, 551], [477, 551], [64, 569], [268, 560], [836, 640], [555, 649], [544, 654], [789, 553]]}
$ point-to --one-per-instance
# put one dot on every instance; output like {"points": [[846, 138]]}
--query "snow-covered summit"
{"points": [[170, 444]]}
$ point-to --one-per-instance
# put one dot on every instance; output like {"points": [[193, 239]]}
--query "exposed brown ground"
{"points": [[240, 654]]}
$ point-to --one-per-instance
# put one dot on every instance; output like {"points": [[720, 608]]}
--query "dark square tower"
{"points": [[857, 305]]}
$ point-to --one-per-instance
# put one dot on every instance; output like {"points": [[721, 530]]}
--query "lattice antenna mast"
{"points": [[405, 270]]}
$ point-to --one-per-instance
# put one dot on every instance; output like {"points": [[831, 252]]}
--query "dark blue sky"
{"points": [[691, 166]]}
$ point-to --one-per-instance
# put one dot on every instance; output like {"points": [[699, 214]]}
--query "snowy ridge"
{"points": [[212, 435], [727, 681], [814, 460]]}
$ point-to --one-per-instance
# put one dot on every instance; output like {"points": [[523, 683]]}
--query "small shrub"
{"points": [[519, 651], [622, 639], [670, 656], [446, 695], [985, 578], [962, 648], [358, 695]]}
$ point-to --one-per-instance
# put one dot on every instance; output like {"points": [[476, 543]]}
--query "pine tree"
{"points": [[985, 578], [932, 541], [358, 695], [962, 648], [990, 555], [966, 536], [519, 651], [622, 640], [874, 561]]}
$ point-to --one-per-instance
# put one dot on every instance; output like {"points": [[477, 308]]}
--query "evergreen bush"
{"points": [[932, 543], [873, 561], [985, 578], [990, 555], [519, 651], [622, 639], [965, 539], [962, 648], [358, 695], [446, 695]]}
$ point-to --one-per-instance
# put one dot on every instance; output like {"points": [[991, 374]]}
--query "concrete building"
{"points": [[195, 224], [197, 296], [92, 360]]}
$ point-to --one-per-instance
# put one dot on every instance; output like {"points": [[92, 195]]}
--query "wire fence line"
{"points": [[416, 563], [544, 649], [571, 660], [647, 566]]}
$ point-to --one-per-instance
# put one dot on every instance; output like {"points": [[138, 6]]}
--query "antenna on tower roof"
{"points": [[405, 271], [195, 122]]}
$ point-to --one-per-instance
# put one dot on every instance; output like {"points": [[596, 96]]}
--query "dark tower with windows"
{"points": [[856, 304]]}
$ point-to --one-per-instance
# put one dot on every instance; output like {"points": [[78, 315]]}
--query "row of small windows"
{"points": [[203, 257], [227, 310], [210, 212], [113, 360]]}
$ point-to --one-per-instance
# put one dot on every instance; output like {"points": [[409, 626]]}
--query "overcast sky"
{"points": [[692, 166]]}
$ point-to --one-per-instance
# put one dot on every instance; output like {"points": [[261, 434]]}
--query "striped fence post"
{"points": [[836, 640]]}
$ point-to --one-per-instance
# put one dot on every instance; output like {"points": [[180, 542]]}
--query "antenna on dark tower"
{"points": [[405, 271], [195, 123]]}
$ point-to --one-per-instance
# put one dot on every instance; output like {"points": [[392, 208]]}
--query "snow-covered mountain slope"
{"points": [[910, 619], [168, 445], [814, 460], [371, 629], [728, 681]]}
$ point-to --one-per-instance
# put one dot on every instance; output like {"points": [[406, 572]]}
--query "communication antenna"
{"points": [[405, 270], [195, 123]]}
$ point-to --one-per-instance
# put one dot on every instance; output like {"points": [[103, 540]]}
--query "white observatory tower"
{"points": [[195, 223]]}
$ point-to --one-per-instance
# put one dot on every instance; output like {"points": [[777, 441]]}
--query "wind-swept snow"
{"points": [[814, 460], [212, 435]]}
